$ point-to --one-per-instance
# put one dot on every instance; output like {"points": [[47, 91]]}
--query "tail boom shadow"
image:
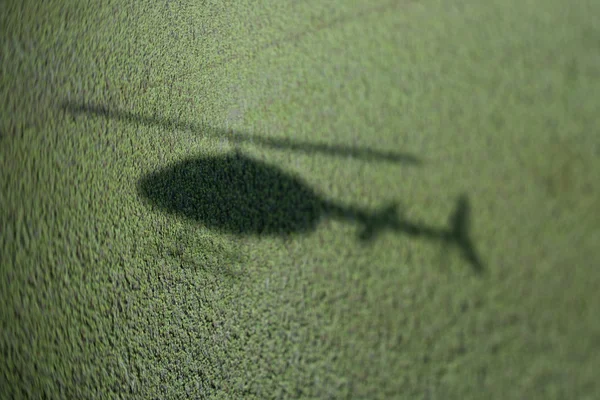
{"points": [[456, 234]]}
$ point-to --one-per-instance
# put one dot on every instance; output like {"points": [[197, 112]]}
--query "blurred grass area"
{"points": [[103, 296]]}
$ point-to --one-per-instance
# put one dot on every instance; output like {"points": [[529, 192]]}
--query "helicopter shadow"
{"points": [[237, 194]]}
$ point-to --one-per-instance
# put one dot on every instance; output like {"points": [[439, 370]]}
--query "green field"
{"points": [[300, 200]]}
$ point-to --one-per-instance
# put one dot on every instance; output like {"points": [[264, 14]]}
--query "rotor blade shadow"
{"points": [[364, 153]]}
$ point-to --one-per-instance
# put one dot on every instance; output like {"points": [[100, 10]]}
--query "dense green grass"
{"points": [[122, 274]]}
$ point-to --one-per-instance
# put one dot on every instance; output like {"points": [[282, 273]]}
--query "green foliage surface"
{"points": [[114, 283]]}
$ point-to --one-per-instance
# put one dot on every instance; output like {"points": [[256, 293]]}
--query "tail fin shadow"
{"points": [[459, 233]]}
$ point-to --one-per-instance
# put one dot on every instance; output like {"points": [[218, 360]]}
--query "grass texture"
{"points": [[300, 200]]}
